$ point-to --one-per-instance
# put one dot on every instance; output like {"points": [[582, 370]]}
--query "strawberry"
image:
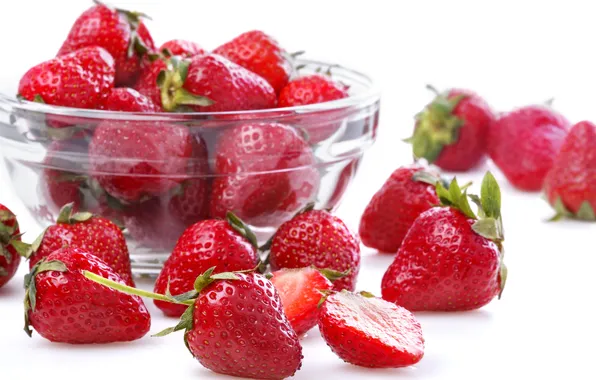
{"points": [[93, 234], [63, 306], [311, 89], [570, 185], [288, 180], [300, 291], [315, 237], [62, 186], [234, 325], [524, 143], [10, 245], [369, 332], [408, 192], [133, 160], [451, 259], [451, 131], [147, 83], [261, 54], [81, 79], [229, 244], [211, 83], [121, 32], [160, 221], [182, 48], [129, 100]]}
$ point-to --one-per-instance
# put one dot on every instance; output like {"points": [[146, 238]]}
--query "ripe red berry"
{"points": [[370, 332], [452, 130], [317, 238], [121, 32], [129, 100]]}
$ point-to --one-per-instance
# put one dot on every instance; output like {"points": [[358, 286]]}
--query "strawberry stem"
{"points": [[133, 291]]}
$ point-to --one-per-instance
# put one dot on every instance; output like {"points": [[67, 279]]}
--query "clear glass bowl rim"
{"points": [[369, 95]]}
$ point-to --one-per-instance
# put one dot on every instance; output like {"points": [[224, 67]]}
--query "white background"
{"points": [[512, 52]]}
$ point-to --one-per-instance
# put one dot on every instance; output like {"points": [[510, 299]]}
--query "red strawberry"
{"points": [[311, 89], [136, 160], [300, 291], [261, 54], [159, 222], [369, 332], [120, 32], [10, 245], [92, 234], [81, 79], [62, 186], [570, 185], [315, 89], [452, 130], [319, 239], [451, 259], [63, 306], [406, 194], [290, 183], [234, 325], [147, 83], [227, 244], [183, 48], [129, 100], [211, 83], [524, 143]]}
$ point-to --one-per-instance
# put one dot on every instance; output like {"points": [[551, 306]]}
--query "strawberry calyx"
{"points": [[66, 216], [429, 177], [30, 287], [136, 46], [585, 211], [327, 293], [9, 238], [436, 126], [171, 82], [242, 228], [488, 222]]}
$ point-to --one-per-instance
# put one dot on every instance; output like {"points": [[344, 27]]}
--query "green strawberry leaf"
{"points": [[333, 275], [243, 229], [586, 212], [185, 323], [490, 196]]}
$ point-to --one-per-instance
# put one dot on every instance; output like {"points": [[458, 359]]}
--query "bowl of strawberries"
{"points": [[159, 137]]}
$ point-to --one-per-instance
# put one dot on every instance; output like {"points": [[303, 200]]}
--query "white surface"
{"points": [[513, 54]]}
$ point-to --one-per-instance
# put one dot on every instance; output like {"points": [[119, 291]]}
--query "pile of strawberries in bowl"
{"points": [[157, 137]]}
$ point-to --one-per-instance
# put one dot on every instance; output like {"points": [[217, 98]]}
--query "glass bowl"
{"points": [[262, 165]]}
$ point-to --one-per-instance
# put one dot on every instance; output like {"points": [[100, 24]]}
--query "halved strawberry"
{"points": [[301, 291]]}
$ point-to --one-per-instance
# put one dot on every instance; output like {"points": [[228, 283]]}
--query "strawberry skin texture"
{"points": [[129, 100], [443, 265], [182, 48], [300, 293], [160, 221], [370, 332], [147, 83], [470, 148], [81, 79], [524, 143], [261, 54], [239, 329], [269, 198], [206, 244], [9, 257], [230, 86], [319, 239], [109, 29], [73, 309], [98, 235], [311, 89], [133, 160], [392, 210], [573, 175]]}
